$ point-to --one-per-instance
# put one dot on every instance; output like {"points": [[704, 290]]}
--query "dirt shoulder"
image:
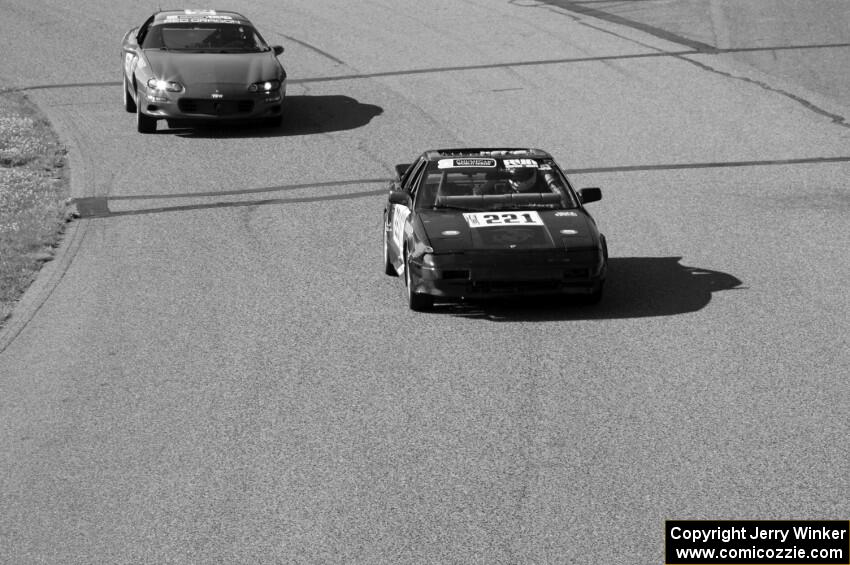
{"points": [[34, 185]]}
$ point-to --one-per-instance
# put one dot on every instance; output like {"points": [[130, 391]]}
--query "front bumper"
{"points": [[495, 278], [189, 106]]}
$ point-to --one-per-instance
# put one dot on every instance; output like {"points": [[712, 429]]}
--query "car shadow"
{"points": [[302, 115], [636, 287]]}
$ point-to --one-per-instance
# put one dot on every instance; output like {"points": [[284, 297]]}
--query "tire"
{"points": [[144, 123], [389, 269], [129, 103], [417, 302]]}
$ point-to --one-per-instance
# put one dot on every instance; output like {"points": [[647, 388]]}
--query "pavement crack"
{"points": [[837, 119]]}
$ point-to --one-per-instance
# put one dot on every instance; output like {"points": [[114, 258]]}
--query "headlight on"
{"points": [[265, 86], [167, 85]]}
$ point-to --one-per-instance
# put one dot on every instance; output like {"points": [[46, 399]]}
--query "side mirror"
{"points": [[399, 197], [590, 195], [278, 50], [401, 169]]}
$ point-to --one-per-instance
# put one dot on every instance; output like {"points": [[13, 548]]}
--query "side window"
{"points": [[426, 189], [416, 182], [143, 31], [411, 176], [406, 175], [416, 178], [566, 189]]}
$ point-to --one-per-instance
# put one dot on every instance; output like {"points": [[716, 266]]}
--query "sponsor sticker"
{"points": [[517, 163], [561, 214], [400, 214], [490, 219], [200, 19], [452, 163]]}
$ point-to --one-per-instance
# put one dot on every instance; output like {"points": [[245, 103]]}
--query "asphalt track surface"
{"points": [[215, 369]]}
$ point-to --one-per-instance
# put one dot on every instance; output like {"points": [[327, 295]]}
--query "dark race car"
{"points": [[201, 65], [474, 223]]}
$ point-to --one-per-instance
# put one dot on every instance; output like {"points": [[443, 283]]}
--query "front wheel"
{"points": [[144, 123], [417, 301]]}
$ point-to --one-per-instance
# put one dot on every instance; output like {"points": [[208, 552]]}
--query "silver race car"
{"points": [[201, 65]]}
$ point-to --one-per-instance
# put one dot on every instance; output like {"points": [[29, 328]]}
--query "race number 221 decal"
{"points": [[487, 219]]}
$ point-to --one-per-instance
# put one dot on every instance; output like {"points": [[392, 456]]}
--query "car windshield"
{"points": [[213, 37], [494, 184]]}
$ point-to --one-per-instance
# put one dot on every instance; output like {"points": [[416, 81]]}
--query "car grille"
{"points": [[215, 107], [458, 274], [515, 286], [494, 270], [573, 264], [576, 273], [529, 275], [519, 257]]}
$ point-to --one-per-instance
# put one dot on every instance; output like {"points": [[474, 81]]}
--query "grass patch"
{"points": [[33, 189]]}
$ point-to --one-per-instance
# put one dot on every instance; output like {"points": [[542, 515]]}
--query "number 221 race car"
{"points": [[477, 223]]}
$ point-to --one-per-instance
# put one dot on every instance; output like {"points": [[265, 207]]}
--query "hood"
{"points": [[214, 69], [580, 232]]}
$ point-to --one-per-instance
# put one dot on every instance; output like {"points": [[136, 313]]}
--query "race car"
{"points": [[487, 222], [201, 65]]}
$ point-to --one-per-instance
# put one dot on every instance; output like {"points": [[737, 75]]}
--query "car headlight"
{"points": [[265, 86], [441, 259], [167, 85]]}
